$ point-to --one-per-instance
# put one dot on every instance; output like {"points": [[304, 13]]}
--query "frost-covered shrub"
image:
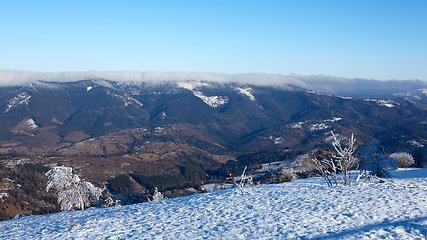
{"points": [[111, 202], [287, 175], [374, 161], [157, 195], [344, 161], [404, 159], [72, 193]]}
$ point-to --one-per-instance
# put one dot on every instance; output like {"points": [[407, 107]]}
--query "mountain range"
{"points": [[49, 118]]}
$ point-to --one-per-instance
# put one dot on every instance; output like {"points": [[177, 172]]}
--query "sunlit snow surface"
{"points": [[304, 209]]}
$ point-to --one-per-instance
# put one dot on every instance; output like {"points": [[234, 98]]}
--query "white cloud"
{"points": [[336, 85], [19, 78]]}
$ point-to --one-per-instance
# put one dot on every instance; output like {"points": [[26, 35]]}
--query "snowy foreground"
{"points": [[304, 209]]}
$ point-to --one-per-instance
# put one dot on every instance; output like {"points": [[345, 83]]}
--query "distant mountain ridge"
{"points": [[233, 115], [357, 87], [413, 90]]}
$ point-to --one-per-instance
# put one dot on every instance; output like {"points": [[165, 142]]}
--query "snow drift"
{"points": [[303, 209]]}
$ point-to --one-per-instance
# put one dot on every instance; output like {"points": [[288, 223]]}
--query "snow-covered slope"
{"points": [[304, 209], [213, 101]]}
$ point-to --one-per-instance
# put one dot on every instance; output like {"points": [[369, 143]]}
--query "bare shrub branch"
{"points": [[343, 162]]}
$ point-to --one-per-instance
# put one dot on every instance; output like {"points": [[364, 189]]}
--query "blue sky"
{"points": [[352, 39]]}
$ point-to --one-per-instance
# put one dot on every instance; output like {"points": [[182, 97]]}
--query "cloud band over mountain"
{"points": [[336, 85], [19, 78]]}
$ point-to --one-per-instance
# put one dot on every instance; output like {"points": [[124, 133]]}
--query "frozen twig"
{"points": [[242, 180], [411, 185], [343, 162]]}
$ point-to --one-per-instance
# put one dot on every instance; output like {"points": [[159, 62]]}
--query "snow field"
{"points": [[303, 209]]}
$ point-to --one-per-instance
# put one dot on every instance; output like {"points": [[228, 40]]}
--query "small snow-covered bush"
{"points": [[374, 161], [404, 159], [157, 195], [110, 202], [250, 181], [287, 175]]}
